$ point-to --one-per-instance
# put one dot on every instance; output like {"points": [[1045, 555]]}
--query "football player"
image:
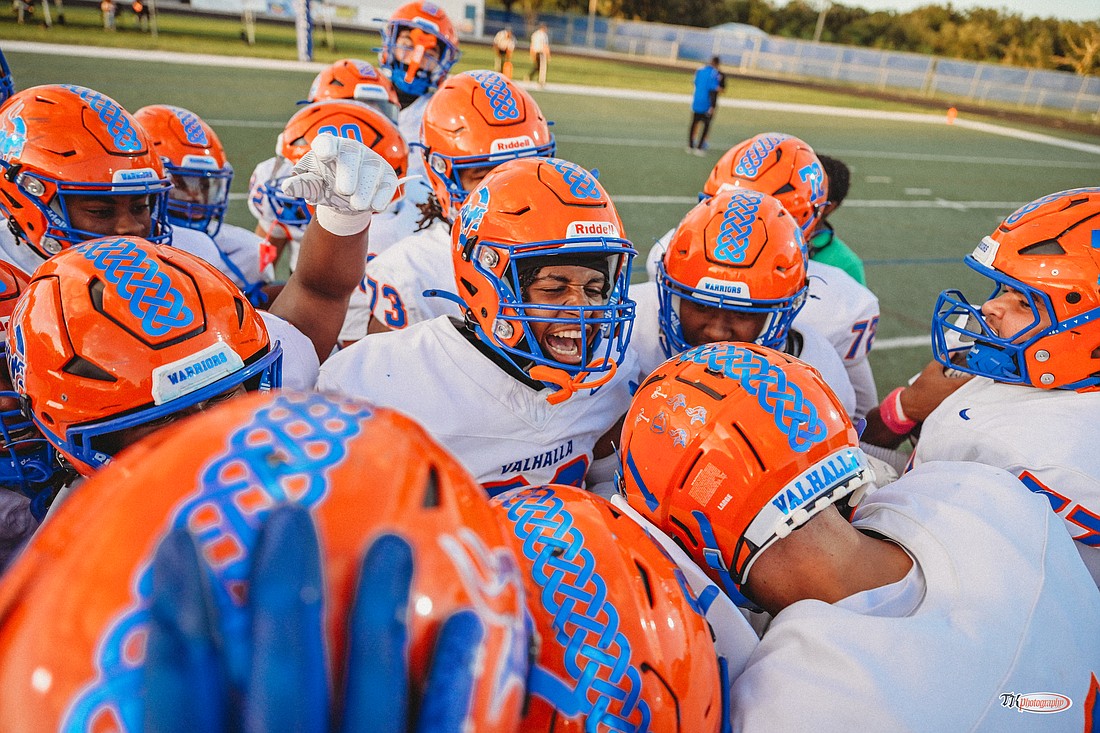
{"points": [[1034, 348], [7, 82], [734, 270], [837, 306], [825, 246], [285, 218], [953, 564], [195, 162], [347, 79], [526, 388], [477, 120], [242, 575]]}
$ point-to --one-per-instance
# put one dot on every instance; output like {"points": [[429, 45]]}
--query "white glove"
{"points": [[345, 180]]}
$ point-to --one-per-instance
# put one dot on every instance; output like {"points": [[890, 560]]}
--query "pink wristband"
{"points": [[893, 417]]}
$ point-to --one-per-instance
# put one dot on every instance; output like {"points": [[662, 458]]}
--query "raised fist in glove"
{"points": [[345, 180]]}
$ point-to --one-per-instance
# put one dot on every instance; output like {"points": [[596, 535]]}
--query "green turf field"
{"points": [[922, 195]]}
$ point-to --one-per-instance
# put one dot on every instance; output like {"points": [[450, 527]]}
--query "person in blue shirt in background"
{"points": [[709, 81]]}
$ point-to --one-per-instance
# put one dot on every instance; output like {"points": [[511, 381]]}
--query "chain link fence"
{"points": [[759, 53]]}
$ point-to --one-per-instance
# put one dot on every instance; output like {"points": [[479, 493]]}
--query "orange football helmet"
{"points": [[340, 117], [28, 463], [413, 71], [74, 608], [59, 141], [729, 447], [779, 165], [623, 643], [478, 119], [1047, 252], [530, 213], [359, 81], [117, 333], [196, 164], [739, 250]]}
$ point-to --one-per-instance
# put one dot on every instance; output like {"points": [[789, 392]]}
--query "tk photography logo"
{"points": [[1036, 702]]}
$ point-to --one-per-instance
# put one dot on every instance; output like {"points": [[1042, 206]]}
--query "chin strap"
{"points": [[568, 386]]}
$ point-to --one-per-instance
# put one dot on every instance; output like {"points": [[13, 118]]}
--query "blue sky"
{"points": [[1067, 9]]}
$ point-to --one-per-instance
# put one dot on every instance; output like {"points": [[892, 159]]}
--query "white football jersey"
{"points": [[17, 252], [846, 313], [300, 362], [997, 613], [243, 250], [393, 288], [837, 307], [409, 121], [502, 430], [645, 341], [1047, 437]]}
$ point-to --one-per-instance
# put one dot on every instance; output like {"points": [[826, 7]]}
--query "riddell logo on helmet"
{"points": [[510, 145], [591, 229]]}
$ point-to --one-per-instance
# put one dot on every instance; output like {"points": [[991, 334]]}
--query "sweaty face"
{"points": [[564, 285], [705, 324], [1008, 312], [107, 216]]}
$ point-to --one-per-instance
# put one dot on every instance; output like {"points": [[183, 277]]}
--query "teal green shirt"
{"points": [[827, 247]]}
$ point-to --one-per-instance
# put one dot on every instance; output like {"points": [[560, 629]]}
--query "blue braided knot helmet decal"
{"points": [[582, 184], [192, 126], [748, 164], [500, 96], [1028, 208], [311, 434], [123, 133], [605, 686], [793, 414], [153, 299], [736, 228]]}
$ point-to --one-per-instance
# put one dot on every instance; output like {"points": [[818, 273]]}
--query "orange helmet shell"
{"points": [[115, 327], [728, 447], [61, 140], [779, 165], [623, 644], [478, 119], [344, 118], [177, 133], [74, 608], [359, 81]]}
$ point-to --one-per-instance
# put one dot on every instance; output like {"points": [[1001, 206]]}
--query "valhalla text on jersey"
{"points": [[549, 458]]}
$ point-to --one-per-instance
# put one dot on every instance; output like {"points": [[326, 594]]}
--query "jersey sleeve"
{"points": [[300, 362]]}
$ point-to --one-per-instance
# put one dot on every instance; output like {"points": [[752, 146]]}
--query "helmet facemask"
{"points": [[199, 196]]}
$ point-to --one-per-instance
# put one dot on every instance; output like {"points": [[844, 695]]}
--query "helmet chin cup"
{"points": [[996, 363]]}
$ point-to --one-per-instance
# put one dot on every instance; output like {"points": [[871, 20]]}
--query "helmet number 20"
{"points": [[349, 130]]}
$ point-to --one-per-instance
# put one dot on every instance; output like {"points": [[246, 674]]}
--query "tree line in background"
{"points": [[978, 34]]}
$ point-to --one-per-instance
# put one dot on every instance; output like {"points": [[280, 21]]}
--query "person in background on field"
{"points": [[825, 245], [107, 7], [709, 81], [504, 44], [141, 13], [540, 54]]}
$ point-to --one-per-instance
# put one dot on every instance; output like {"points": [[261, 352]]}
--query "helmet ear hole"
{"points": [[431, 490]]}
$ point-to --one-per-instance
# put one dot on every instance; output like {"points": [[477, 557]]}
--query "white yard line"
{"points": [[244, 62]]}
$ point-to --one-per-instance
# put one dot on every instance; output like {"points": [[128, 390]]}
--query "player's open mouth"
{"points": [[565, 346]]}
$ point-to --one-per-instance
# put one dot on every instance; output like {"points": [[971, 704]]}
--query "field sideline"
{"points": [[923, 192]]}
